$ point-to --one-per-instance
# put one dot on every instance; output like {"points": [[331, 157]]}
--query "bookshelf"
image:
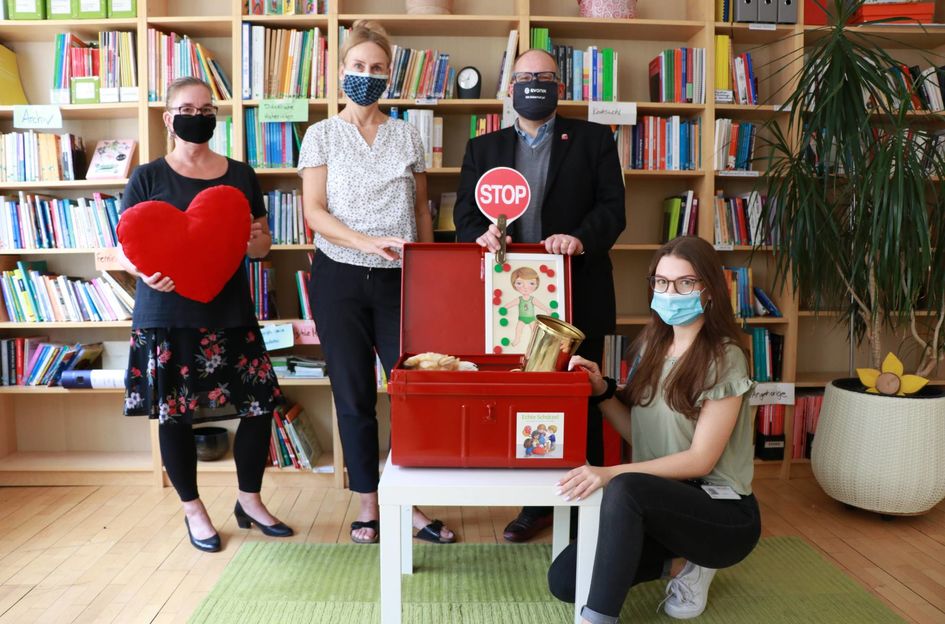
{"points": [[52, 436]]}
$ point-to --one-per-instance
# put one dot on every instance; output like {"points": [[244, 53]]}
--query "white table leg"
{"points": [[391, 537], [588, 524], [560, 531], [406, 539]]}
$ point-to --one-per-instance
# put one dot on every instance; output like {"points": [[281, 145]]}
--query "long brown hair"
{"points": [[690, 376]]}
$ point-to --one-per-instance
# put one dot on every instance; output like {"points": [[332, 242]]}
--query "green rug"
{"points": [[784, 580]]}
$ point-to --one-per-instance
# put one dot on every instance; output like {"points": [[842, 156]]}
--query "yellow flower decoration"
{"points": [[891, 379]]}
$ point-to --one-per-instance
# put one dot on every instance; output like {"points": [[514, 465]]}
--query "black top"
{"points": [[233, 306], [584, 197]]}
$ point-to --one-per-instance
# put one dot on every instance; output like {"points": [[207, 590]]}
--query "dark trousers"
{"points": [[645, 521], [357, 313], [593, 350], [250, 452]]}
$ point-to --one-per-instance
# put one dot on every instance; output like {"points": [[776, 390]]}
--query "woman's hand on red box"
{"points": [[598, 385], [584, 481]]}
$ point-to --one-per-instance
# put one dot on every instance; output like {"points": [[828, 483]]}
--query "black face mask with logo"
{"points": [[535, 100]]}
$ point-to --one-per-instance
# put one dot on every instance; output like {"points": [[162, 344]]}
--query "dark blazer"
{"points": [[584, 197]]}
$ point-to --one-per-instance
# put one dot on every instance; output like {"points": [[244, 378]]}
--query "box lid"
{"points": [[443, 296]]}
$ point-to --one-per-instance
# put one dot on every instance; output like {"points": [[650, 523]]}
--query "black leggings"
{"points": [[647, 520], [250, 452]]}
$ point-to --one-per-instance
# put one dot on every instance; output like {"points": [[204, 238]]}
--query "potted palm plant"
{"points": [[857, 205]]}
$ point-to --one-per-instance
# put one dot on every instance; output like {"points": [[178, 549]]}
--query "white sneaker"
{"points": [[688, 593]]}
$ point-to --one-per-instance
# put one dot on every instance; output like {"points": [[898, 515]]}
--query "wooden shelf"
{"points": [[277, 172], [752, 112], [195, 26], [632, 320], [117, 110], [893, 36], [293, 247], [68, 325], [45, 252], [756, 33], [579, 108], [76, 461], [36, 390], [440, 25], [661, 173], [46, 30], [317, 104], [635, 247], [299, 22], [623, 29], [766, 320], [63, 184], [449, 106]]}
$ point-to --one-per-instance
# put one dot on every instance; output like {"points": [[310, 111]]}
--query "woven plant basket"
{"points": [[884, 454]]}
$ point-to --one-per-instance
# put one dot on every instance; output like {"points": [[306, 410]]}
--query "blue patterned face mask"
{"points": [[364, 89], [677, 309]]}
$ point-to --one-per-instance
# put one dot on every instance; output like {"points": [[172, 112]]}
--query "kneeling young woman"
{"points": [[684, 507]]}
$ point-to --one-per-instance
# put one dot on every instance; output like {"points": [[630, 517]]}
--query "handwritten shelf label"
{"points": [[288, 109], [106, 259], [762, 26], [304, 332], [612, 113], [278, 336], [772, 394], [37, 116]]}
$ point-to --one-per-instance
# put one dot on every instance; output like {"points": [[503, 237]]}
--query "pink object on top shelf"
{"points": [[615, 9]]}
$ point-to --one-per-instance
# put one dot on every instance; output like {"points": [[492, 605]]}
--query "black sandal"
{"points": [[431, 533], [371, 524]]}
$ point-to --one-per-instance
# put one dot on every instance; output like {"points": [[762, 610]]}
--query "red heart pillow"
{"points": [[200, 248]]}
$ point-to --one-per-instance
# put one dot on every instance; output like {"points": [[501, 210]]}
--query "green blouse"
{"points": [[658, 431]]}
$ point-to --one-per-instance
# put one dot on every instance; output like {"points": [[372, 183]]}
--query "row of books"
{"points": [[806, 414], [222, 140], [271, 144], [33, 361], [769, 432], [111, 60], [301, 285], [40, 222], [680, 216], [484, 124], [171, 56], [767, 351], [734, 145], [588, 75], [661, 143], [32, 156], [285, 7], [431, 134], [740, 286], [505, 66], [32, 294], [293, 442], [735, 80], [283, 63], [262, 288], [738, 220], [614, 364], [678, 75], [286, 220]]}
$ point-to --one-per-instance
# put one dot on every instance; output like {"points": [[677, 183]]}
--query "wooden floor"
{"points": [[120, 554]]}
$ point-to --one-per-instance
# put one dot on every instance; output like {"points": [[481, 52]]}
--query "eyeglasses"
{"points": [[545, 76], [682, 285], [206, 111]]}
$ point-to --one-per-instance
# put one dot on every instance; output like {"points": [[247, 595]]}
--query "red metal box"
{"points": [[478, 418]]}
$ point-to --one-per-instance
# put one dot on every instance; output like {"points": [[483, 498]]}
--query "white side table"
{"points": [[402, 488]]}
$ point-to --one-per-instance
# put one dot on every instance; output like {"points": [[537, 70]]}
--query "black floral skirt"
{"points": [[199, 375]]}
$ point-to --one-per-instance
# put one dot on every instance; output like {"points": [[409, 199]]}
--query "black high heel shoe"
{"points": [[211, 544], [245, 521]]}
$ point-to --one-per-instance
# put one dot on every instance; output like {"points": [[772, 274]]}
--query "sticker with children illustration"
{"points": [[517, 291], [540, 435]]}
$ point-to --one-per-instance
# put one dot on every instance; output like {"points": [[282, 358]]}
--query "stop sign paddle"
{"points": [[502, 194]]}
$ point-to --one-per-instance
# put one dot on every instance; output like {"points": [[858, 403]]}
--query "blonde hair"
{"points": [[524, 273], [363, 31], [183, 83]]}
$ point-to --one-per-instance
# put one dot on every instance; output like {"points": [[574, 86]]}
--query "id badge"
{"points": [[721, 492]]}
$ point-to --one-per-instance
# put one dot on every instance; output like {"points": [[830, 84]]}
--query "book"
{"points": [[11, 87], [444, 217], [111, 159]]}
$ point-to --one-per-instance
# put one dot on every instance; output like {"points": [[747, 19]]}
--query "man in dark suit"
{"points": [[576, 208]]}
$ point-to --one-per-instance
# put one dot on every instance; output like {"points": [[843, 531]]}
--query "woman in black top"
{"points": [[186, 354]]}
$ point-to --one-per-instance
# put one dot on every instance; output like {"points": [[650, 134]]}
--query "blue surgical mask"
{"points": [[676, 309], [364, 89]]}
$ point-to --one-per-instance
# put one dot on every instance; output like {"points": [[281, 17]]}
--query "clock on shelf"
{"points": [[468, 83]]}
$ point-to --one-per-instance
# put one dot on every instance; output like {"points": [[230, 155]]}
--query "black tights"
{"points": [[250, 452]]}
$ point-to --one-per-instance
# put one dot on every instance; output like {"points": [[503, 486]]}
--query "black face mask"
{"points": [[535, 100], [194, 128]]}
